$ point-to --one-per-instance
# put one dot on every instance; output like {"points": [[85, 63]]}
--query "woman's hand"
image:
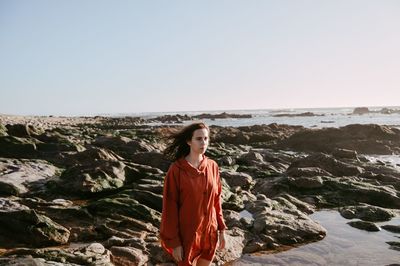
{"points": [[221, 238], [177, 253]]}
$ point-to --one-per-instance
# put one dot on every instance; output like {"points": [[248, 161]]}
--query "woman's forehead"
{"points": [[200, 132]]}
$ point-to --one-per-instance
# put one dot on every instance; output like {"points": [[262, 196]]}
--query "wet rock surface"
{"points": [[89, 191]]}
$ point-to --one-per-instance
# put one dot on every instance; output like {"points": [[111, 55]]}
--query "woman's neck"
{"points": [[194, 159]]}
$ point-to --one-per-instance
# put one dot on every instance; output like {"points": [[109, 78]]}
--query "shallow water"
{"points": [[343, 245], [389, 160]]}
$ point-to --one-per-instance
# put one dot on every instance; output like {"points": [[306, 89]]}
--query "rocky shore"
{"points": [[88, 190]]}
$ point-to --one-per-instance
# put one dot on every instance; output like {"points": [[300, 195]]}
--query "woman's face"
{"points": [[199, 142]]}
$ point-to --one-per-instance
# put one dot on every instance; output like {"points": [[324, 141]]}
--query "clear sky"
{"points": [[76, 57]]}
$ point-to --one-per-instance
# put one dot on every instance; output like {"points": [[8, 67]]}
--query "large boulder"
{"points": [[363, 225], [234, 179], [123, 146], [55, 141], [327, 163], [306, 171], [23, 130], [360, 111], [278, 222], [124, 204], [74, 255], [367, 139], [15, 147], [23, 176], [97, 177], [22, 225], [351, 191], [367, 213], [90, 155], [154, 159], [128, 256]]}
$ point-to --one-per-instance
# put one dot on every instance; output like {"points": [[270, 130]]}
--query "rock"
{"points": [[79, 254], [93, 249], [158, 256], [234, 202], [226, 161], [347, 191], [365, 139], [147, 198], [345, 154], [29, 261], [123, 146], [306, 182], [90, 155], [3, 130], [135, 242], [28, 227], [394, 245], [137, 173], [232, 136], [153, 159], [250, 158], [391, 228], [23, 130], [235, 239], [11, 205], [306, 114], [53, 142], [13, 147], [222, 115], [367, 213], [23, 176], [100, 176], [306, 172], [388, 111], [170, 119], [301, 205], [360, 111], [327, 163], [128, 256], [367, 226], [232, 218], [243, 180], [283, 222], [124, 205]]}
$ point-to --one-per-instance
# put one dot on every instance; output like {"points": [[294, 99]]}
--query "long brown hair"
{"points": [[178, 146]]}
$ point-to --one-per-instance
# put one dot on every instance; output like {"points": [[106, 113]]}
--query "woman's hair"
{"points": [[178, 146]]}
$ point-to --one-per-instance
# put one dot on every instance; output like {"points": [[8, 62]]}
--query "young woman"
{"points": [[192, 221]]}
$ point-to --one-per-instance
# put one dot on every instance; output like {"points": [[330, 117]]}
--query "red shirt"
{"points": [[192, 211]]}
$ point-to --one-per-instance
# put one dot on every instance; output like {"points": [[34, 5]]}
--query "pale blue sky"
{"points": [[88, 57]]}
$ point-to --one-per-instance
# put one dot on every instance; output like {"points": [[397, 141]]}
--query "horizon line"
{"points": [[192, 111]]}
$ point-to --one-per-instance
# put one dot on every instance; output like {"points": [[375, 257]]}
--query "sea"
{"points": [[318, 117]]}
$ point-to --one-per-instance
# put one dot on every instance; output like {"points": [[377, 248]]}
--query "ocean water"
{"points": [[324, 117], [343, 245]]}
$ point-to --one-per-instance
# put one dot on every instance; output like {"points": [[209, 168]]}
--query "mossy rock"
{"points": [[124, 205], [28, 227], [3, 130], [14, 147], [100, 176]]}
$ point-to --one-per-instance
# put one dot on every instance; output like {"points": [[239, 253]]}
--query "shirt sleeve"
{"points": [[218, 204], [169, 230]]}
